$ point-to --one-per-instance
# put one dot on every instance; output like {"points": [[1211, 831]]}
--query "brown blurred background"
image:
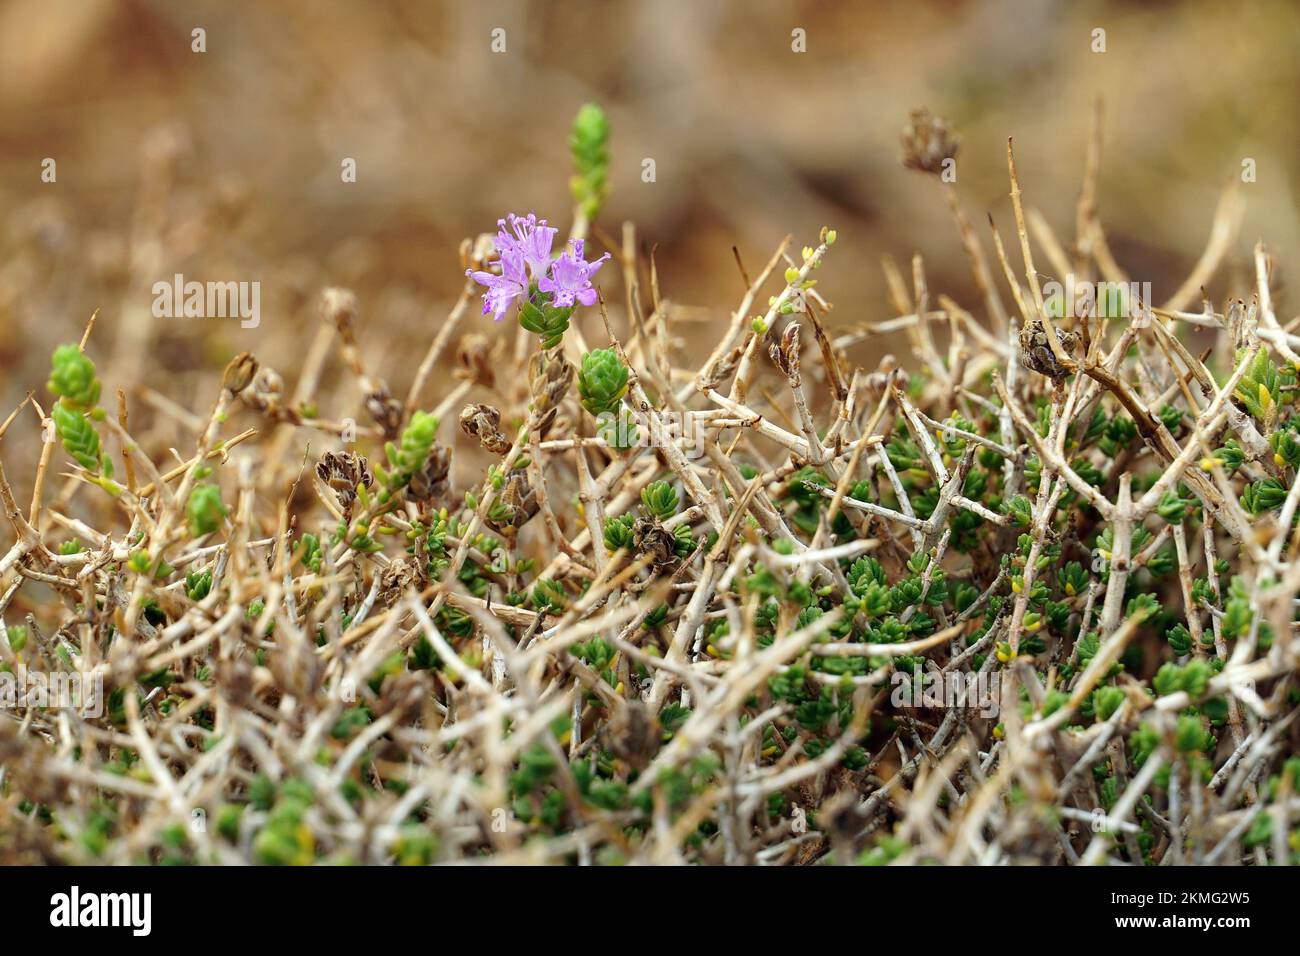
{"points": [[225, 165]]}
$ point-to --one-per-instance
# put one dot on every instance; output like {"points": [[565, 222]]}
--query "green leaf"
{"points": [[79, 438]]}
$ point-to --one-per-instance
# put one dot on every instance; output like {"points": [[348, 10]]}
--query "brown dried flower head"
{"points": [[431, 480], [519, 501], [385, 410], [475, 357], [549, 376], [239, 373], [653, 539], [484, 423], [338, 307], [786, 353], [398, 577], [344, 472], [927, 142], [1036, 351]]}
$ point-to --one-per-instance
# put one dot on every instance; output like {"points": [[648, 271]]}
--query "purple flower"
{"points": [[502, 290], [570, 277], [532, 239]]}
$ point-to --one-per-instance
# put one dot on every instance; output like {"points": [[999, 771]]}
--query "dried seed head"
{"points": [[338, 307], [484, 423], [1036, 351], [519, 501], [400, 575], [268, 383], [475, 254], [430, 481], [474, 358], [385, 410], [549, 377], [265, 391], [239, 373], [927, 142], [343, 472], [652, 538], [786, 354]]}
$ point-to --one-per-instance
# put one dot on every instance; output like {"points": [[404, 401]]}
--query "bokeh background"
{"points": [[225, 165]]}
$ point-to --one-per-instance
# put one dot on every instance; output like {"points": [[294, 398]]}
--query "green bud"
{"points": [[549, 595], [546, 321], [1173, 508], [1106, 701], [589, 147], [198, 584], [309, 548], [618, 532], [412, 450], [1190, 735], [660, 499], [17, 636], [72, 378], [1195, 677], [602, 381], [204, 509], [79, 438], [1020, 511], [1180, 640]]}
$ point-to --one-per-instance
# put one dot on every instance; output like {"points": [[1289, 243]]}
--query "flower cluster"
{"points": [[529, 274]]}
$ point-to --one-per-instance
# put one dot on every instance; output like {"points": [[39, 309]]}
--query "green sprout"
{"points": [[589, 146]]}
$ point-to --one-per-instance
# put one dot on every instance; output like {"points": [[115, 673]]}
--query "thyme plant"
{"points": [[1026, 595]]}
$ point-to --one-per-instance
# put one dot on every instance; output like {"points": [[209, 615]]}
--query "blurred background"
{"points": [[225, 164]]}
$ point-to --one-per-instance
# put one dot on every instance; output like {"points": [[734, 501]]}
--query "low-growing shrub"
{"points": [[1026, 595]]}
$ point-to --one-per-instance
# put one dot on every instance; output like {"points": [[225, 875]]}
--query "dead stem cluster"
{"points": [[1026, 597]]}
